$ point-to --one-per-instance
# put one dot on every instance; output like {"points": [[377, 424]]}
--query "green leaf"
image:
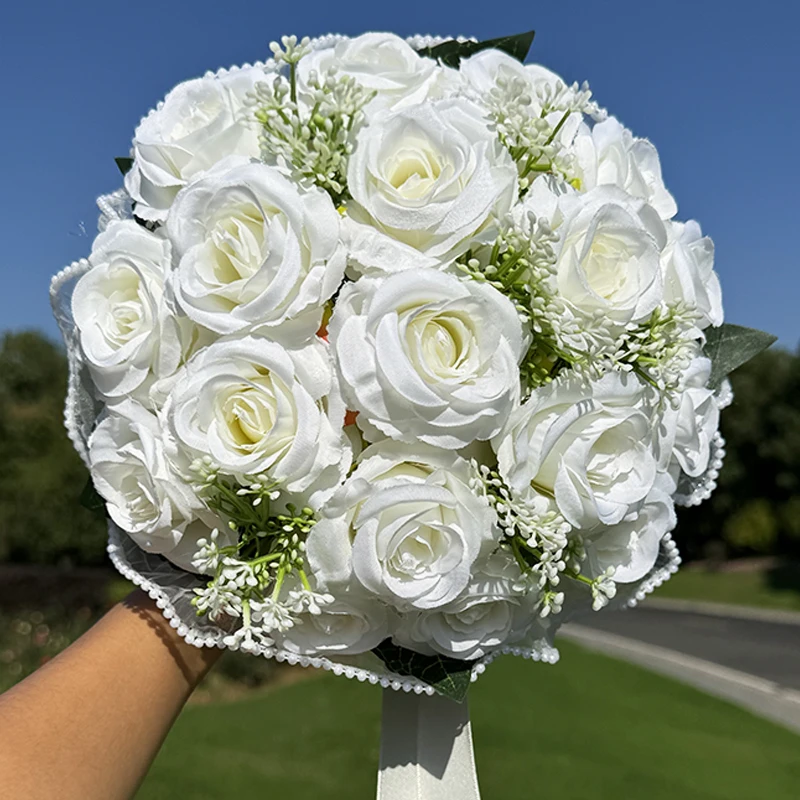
{"points": [[452, 51], [124, 164], [730, 346], [91, 500], [448, 676]]}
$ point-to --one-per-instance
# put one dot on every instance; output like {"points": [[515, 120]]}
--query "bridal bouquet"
{"points": [[391, 355]]}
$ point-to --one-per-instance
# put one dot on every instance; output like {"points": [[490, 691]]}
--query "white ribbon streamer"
{"points": [[426, 749]]}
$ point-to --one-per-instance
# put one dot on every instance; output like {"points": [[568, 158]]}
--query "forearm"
{"points": [[89, 723]]}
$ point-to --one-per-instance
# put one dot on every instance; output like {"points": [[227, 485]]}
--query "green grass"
{"points": [[775, 588], [590, 728]]}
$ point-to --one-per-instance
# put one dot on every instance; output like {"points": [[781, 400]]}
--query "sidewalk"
{"points": [[725, 610], [760, 696]]}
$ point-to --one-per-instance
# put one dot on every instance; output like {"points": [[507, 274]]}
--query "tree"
{"points": [[756, 507], [41, 479]]}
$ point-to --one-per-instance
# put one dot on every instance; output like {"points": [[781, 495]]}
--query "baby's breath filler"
{"points": [[309, 132], [661, 349], [540, 540], [262, 577], [521, 265], [529, 120]]}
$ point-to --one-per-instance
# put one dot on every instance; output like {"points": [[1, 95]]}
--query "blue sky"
{"points": [[711, 83]]}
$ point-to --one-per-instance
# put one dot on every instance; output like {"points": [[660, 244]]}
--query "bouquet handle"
{"points": [[426, 749]]}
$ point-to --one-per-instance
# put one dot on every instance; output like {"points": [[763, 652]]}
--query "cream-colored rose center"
{"points": [[418, 552], [249, 416], [442, 346], [414, 169], [124, 313], [141, 501], [256, 416], [239, 242], [612, 457], [243, 252], [440, 343], [606, 266], [127, 318], [472, 615]]}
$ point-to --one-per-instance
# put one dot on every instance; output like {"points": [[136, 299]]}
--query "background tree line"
{"points": [[756, 508], [41, 475]]}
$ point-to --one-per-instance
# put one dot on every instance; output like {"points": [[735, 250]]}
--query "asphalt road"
{"points": [[768, 650]]}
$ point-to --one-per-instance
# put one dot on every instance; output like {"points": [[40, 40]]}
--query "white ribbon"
{"points": [[426, 749]]}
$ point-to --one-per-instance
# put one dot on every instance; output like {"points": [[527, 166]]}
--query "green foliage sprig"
{"points": [[450, 677], [451, 52], [269, 546], [730, 346]]}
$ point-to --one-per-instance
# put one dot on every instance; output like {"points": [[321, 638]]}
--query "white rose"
{"points": [[252, 251], [608, 252], [406, 527], [609, 154], [128, 336], [631, 547], [488, 614], [687, 265], [690, 427], [199, 123], [426, 356], [193, 338], [587, 445], [255, 407], [348, 626], [143, 495], [429, 181], [381, 62]]}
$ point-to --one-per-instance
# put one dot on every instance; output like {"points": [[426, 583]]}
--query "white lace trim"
{"points": [[75, 417], [693, 491], [113, 207], [725, 394], [671, 562], [540, 650]]}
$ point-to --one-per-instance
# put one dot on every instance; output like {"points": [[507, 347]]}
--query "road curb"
{"points": [[781, 616], [760, 696]]}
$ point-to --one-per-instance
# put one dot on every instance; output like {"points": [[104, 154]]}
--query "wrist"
{"points": [[193, 662]]}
